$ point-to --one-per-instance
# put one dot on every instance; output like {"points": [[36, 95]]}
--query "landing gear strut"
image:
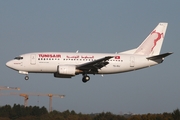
{"points": [[26, 77], [85, 78]]}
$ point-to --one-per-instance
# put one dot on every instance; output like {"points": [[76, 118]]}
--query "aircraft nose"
{"points": [[9, 64]]}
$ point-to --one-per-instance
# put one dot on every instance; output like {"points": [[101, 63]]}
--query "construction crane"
{"points": [[26, 97], [8, 88]]}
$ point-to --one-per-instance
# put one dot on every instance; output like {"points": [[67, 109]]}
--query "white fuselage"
{"points": [[47, 62]]}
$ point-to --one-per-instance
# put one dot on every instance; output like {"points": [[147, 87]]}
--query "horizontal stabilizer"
{"points": [[159, 56]]}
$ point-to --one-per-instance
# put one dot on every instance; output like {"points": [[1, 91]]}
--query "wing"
{"points": [[93, 66]]}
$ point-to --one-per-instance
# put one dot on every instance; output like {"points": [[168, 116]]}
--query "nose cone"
{"points": [[9, 64], [14, 64]]}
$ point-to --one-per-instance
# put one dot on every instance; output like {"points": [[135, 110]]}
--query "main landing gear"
{"points": [[26, 77], [85, 78]]}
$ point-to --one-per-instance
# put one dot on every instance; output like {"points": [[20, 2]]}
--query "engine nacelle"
{"points": [[66, 70], [57, 75]]}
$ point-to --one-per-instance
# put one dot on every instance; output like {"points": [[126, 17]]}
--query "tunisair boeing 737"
{"points": [[67, 65]]}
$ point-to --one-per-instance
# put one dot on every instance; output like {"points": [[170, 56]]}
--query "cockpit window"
{"points": [[18, 58]]}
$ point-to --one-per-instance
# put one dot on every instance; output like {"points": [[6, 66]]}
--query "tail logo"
{"points": [[159, 35]]}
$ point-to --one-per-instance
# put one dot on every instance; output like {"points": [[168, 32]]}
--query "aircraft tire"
{"points": [[85, 78], [26, 78]]}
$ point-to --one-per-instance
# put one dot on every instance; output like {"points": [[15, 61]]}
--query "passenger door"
{"points": [[33, 59]]}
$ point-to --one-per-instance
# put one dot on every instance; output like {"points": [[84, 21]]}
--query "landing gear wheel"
{"points": [[26, 78], [85, 78]]}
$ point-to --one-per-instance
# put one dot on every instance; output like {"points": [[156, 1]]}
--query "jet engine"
{"points": [[66, 70]]}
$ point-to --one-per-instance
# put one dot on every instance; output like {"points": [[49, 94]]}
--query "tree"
{"points": [[5, 111], [176, 114]]}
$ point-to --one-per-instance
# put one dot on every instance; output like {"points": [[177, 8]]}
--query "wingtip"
{"points": [[170, 53]]}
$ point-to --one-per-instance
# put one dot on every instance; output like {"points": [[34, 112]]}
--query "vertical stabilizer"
{"points": [[152, 44]]}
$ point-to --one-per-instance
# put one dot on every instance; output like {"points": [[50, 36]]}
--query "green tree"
{"points": [[43, 110], [5, 111], [35, 111], [176, 114]]}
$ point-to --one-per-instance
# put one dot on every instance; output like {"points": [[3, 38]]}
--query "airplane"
{"points": [[67, 65]]}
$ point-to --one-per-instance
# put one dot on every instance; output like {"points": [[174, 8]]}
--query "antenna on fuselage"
{"points": [[77, 51]]}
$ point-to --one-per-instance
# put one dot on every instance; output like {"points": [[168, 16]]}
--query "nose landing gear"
{"points": [[24, 73], [26, 77]]}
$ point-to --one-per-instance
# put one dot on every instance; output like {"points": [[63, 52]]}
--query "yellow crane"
{"points": [[9, 88], [26, 97]]}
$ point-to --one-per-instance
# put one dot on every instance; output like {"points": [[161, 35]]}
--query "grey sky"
{"points": [[92, 26]]}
